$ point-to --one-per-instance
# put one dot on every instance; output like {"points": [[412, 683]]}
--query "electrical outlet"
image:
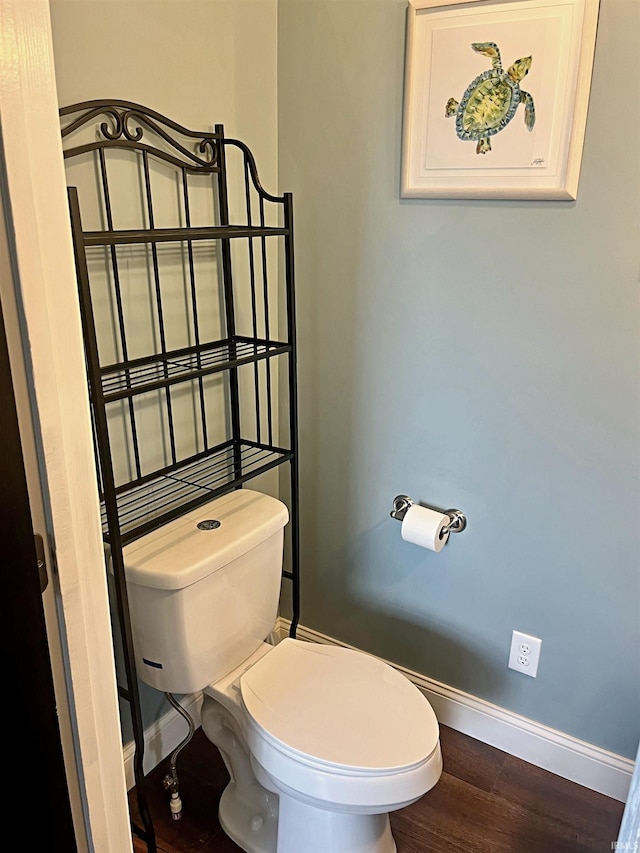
{"points": [[524, 653]]}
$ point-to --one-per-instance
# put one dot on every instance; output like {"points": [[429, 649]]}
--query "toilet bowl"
{"points": [[320, 742], [341, 737]]}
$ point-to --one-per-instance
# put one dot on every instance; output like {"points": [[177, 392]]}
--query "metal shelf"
{"points": [[234, 424], [160, 498], [176, 235], [140, 376]]}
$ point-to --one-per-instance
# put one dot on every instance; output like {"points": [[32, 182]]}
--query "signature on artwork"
{"points": [[539, 161]]}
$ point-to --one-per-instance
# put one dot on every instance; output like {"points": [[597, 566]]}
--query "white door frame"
{"points": [[40, 239]]}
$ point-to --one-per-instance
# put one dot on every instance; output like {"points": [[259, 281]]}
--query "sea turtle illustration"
{"points": [[491, 100]]}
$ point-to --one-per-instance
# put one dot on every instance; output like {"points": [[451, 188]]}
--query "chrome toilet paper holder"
{"points": [[457, 523]]}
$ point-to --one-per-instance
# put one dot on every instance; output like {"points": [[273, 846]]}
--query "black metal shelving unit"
{"points": [[236, 377]]}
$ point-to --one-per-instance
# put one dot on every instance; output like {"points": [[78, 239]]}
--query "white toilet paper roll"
{"points": [[423, 526]]}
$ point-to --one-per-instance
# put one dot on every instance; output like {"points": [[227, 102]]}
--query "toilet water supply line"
{"points": [[170, 781]]}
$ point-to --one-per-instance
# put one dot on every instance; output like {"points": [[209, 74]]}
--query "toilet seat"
{"points": [[366, 733], [338, 707]]}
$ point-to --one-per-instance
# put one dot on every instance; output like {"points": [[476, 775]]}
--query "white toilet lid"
{"points": [[339, 706]]}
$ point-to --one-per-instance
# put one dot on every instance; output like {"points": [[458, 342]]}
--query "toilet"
{"points": [[321, 742]]}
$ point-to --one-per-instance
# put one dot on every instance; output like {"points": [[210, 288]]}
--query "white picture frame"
{"points": [[473, 125]]}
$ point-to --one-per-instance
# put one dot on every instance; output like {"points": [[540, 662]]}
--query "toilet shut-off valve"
{"points": [[175, 804], [170, 783]]}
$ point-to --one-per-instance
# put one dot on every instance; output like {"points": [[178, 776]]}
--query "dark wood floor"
{"points": [[485, 802]]}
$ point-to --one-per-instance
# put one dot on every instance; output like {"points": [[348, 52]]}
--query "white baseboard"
{"points": [[162, 737], [562, 754]]}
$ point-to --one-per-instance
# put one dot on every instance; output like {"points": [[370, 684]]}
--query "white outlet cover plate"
{"points": [[524, 654]]}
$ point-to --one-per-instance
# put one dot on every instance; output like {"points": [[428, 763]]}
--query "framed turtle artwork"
{"points": [[496, 97]]}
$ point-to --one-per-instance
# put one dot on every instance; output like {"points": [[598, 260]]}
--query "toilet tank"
{"points": [[203, 597]]}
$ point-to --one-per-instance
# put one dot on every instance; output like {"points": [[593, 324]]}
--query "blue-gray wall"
{"points": [[477, 354]]}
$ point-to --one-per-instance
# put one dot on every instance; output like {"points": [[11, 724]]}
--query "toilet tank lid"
{"points": [[180, 553]]}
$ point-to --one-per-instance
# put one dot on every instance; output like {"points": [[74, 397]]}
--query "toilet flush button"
{"points": [[209, 524]]}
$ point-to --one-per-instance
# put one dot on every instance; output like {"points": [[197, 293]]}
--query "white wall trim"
{"points": [[560, 753]]}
